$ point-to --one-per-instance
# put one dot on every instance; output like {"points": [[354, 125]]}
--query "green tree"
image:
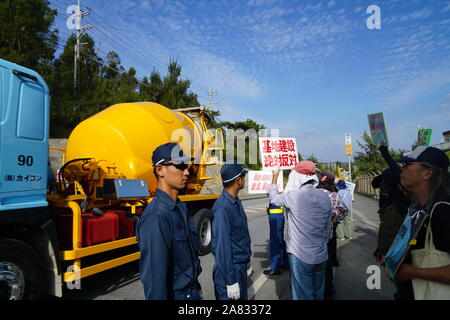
{"points": [[151, 90], [112, 67], [245, 126], [175, 91], [26, 37], [128, 87], [370, 159], [69, 105], [170, 91]]}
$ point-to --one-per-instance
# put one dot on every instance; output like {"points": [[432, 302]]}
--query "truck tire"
{"points": [[20, 271], [202, 219]]}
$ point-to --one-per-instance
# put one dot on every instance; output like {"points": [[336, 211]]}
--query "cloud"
{"points": [[260, 2], [447, 8], [418, 87], [222, 75], [402, 18], [418, 14], [411, 63], [145, 4], [446, 105]]}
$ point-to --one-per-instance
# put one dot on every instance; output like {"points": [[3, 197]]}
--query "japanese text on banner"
{"points": [[278, 152]]}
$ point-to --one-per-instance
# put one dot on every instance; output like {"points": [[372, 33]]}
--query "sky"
{"points": [[312, 69]]}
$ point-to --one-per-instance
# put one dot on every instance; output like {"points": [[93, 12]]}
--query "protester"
{"points": [[278, 255], [309, 229], [169, 264], [425, 176], [231, 244], [338, 211], [393, 205], [345, 226]]}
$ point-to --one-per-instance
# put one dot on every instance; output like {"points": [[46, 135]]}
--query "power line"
{"points": [[119, 41], [125, 39], [106, 66], [112, 43], [61, 2], [117, 33], [102, 34], [129, 41], [114, 46]]}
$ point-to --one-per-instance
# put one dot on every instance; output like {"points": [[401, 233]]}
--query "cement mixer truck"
{"points": [[56, 230]]}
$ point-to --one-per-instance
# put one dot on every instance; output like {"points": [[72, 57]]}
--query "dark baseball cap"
{"points": [[169, 152], [431, 155], [231, 171]]}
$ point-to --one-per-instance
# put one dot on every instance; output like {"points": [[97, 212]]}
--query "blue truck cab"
{"points": [[24, 107], [27, 235]]}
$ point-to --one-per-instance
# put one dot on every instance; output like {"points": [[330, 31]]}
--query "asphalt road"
{"points": [[351, 276]]}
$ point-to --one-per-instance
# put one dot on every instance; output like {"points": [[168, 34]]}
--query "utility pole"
{"points": [[211, 102], [348, 145], [349, 169], [79, 30]]}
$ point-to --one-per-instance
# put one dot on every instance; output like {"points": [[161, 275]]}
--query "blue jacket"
{"points": [[231, 242], [169, 264]]}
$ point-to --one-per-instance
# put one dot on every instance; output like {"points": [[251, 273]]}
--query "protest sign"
{"points": [[378, 130], [405, 238], [424, 136], [350, 186], [278, 153], [260, 181]]}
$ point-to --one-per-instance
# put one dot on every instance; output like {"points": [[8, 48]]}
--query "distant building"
{"points": [[446, 135]]}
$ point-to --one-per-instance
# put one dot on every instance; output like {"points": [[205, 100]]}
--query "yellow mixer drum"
{"points": [[125, 135]]}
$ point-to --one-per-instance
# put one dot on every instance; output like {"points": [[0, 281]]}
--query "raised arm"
{"points": [[395, 169], [274, 197]]}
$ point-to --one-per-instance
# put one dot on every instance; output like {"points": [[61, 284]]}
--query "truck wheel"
{"points": [[20, 271], [202, 219]]}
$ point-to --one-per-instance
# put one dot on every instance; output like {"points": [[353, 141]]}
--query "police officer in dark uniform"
{"points": [[231, 244], [278, 254], [169, 264]]}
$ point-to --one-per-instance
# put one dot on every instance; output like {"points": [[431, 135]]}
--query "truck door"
{"points": [[24, 127]]}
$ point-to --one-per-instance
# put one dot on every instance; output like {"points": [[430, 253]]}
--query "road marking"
{"points": [[255, 213], [256, 286], [255, 207]]}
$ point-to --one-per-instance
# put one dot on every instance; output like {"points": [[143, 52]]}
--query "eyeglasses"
{"points": [[404, 165], [179, 166]]}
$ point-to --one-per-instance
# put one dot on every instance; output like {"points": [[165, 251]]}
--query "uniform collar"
{"points": [[228, 196], [167, 199]]}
